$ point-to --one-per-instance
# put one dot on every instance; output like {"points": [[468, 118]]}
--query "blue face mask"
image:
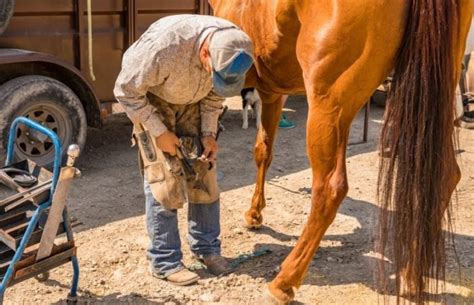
{"points": [[230, 80]]}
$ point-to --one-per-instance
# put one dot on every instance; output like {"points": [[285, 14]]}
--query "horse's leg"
{"points": [[338, 81], [271, 111], [327, 135]]}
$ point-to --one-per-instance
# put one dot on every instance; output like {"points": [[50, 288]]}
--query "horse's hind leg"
{"points": [[338, 83], [327, 135], [271, 111]]}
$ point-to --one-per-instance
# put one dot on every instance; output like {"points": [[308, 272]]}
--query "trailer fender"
{"points": [[15, 63]]}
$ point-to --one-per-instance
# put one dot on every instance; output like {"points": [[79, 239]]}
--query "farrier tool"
{"points": [[191, 175], [189, 152]]}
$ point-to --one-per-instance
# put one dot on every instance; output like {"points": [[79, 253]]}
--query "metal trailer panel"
{"points": [[59, 28]]}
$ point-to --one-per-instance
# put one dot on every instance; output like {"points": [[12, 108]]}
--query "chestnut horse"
{"points": [[338, 52]]}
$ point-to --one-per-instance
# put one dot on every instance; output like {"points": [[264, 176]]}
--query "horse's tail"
{"points": [[418, 138]]}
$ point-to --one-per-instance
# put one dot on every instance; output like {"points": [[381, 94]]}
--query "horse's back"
{"points": [[282, 29]]}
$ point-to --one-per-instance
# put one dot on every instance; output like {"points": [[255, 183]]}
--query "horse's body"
{"points": [[338, 52]]}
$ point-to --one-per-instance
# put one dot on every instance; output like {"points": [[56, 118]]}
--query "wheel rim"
{"points": [[33, 145]]}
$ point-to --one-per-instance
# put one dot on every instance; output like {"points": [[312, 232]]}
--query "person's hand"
{"points": [[210, 148], [168, 142]]}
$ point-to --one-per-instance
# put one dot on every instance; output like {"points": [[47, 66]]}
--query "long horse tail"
{"points": [[417, 141]]}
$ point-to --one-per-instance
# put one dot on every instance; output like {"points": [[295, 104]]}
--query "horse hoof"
{"points": [[253, 220], [268, 298], [253, 226]]}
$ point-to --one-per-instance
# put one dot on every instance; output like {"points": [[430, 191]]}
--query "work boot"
{"points": [[182, 277], [216, 264]]}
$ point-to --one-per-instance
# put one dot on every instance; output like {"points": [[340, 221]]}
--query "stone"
{"points": [[209, 297], [237, 231]]}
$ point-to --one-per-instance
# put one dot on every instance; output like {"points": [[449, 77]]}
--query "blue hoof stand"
{"points": [[32, 211]]}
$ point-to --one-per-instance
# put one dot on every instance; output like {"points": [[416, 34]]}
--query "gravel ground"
{"points": [[108, 200]]}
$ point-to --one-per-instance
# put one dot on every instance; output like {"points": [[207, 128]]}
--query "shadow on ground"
{"points": [[115, 298], [350, 262]]}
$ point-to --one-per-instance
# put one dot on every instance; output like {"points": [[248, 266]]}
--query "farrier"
{"points": [[172, 86]]}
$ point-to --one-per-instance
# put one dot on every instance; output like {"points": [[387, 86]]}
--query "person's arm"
{"points": [[138, 74], [210, 108]]}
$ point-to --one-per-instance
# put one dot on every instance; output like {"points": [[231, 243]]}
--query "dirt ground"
{"points": [[108, 200]]}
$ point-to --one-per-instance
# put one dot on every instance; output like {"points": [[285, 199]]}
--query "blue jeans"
{"points": [[165, 245]]}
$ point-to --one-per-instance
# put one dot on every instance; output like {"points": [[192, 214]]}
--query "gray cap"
{"points": [[232, 56]]}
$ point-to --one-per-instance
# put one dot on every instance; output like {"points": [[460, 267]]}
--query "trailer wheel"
{"points": [[6, 11], [48, 102]]}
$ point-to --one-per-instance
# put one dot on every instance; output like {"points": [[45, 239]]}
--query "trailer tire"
{"points": [[48, 102], [6, 11]]}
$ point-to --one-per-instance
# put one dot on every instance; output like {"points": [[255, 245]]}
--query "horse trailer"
{"points": [[59, 61]]}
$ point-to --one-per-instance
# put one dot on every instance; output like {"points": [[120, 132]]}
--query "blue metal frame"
{"points": [[35, 217], [48, 132]]}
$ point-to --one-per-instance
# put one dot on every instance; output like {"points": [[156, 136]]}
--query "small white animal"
{"points": [[250, 98]]}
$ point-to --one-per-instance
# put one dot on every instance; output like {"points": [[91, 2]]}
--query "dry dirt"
{"points": [[109, 202]]}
